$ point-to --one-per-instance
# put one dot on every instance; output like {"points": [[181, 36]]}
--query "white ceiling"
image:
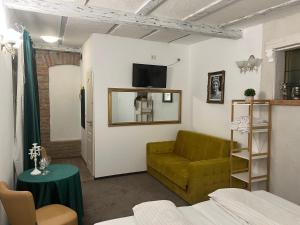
{"points": [[77, 31], [132, 31], [123, 5]]}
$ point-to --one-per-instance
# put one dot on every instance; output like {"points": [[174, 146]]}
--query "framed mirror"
{"points": [[139, 106]]}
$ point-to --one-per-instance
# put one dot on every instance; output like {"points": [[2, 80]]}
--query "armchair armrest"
{"points": [[207, 176], [160, 147]]}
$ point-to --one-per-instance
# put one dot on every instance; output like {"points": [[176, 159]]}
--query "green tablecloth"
{"points": [[60, 186]]}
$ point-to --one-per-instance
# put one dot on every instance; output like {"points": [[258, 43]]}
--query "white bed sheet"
{"points": [[191, 214], [208, 213]]}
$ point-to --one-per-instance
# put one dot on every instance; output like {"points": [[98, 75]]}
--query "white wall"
{"points": [[64, 89], [86, 67], [215, 55], [123, 149], [285, 166], [285, 154], [276, 31], [7, 124]]}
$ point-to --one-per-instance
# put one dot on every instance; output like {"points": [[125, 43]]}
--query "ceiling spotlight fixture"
{"points": [[50, 39]]}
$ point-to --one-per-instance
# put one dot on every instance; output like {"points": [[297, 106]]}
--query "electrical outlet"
{"points": [[153, 57]]}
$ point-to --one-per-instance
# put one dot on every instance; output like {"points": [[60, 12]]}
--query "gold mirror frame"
{"points": [[148, 90]]}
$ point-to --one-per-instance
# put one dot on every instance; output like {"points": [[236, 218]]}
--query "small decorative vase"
{"points": [[249, 99]]}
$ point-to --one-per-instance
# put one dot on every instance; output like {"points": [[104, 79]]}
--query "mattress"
{"points": [[210, 213], [188, 211]]}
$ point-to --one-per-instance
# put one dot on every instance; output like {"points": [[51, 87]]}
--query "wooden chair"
{"points": [[20, 210]]}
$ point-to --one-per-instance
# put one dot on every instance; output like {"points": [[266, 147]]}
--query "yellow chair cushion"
{"points": [[56, 215]]}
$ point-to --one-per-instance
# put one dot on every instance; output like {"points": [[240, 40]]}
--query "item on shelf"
{"points": [[242, 124], [296, 93], [284, 90], [249, 93], [34, 152]]}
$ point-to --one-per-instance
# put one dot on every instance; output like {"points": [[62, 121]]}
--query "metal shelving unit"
{"points": [[248, 175]]}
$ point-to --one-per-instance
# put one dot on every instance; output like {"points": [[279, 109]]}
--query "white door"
{"points": [[89, 123]]}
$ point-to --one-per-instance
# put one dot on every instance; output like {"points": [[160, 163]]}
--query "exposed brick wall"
{"points": [[44, 60]]}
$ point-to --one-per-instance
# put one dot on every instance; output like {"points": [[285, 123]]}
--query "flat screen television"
{"points": [[144, 75]]}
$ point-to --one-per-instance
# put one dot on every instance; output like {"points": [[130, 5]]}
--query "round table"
{"points": [[60, 186]]}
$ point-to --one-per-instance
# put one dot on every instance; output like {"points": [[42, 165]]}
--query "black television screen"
{"points": [[144, 75]]}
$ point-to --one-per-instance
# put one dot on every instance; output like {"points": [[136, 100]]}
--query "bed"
{"points": [[230, 207]]}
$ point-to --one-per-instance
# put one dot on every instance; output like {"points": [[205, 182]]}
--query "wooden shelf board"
{"points": [[285, 102], [255, 131], [254, 102], [247, 104], [239, 170], [244, 176], [245, 155], [238, 150], [263, 124], [260, 130]]}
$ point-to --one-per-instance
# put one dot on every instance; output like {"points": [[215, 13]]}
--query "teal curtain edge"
{"points": [[31, 101]]}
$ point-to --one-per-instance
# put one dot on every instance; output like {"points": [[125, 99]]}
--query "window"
{"points": [[292, 74], [292, 67]]}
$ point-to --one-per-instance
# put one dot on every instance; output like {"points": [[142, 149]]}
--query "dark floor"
{"points": [[84, 172], [114, 197], [109, 198]]}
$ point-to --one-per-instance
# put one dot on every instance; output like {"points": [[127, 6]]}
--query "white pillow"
{"points": [[158, 213]]}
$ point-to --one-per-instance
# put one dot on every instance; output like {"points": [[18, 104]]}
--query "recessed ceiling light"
{"points": [[50, 39]]}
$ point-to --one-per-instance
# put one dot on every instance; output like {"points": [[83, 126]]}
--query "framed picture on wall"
{"points": [[167, 97], [215, 87]]}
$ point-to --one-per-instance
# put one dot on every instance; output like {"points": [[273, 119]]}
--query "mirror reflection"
{"points": [[144, 106]]}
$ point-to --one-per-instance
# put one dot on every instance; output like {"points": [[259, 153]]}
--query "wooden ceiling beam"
{"points": [[144, 10], [60, 48], [149, 34], [209, 9], [178, 38], [149, 7], [96, 14], [261, 13], [113, 28], [85, 2]]}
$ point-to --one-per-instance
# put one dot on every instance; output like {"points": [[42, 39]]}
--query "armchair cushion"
{"points": [[173, 166], [195, 146], [160, 147], [56, 214]]}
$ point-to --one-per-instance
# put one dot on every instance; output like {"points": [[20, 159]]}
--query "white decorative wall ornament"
{"points": [[10, 41], [270, 55], [249, 65]]}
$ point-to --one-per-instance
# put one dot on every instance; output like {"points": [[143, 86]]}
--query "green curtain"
{"points": [[31, 101]]}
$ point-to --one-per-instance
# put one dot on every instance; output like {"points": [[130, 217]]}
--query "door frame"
{"points": [[90, 74]]}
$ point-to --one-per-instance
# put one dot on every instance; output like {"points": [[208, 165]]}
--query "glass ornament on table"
{"points": [[44, 163]]}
